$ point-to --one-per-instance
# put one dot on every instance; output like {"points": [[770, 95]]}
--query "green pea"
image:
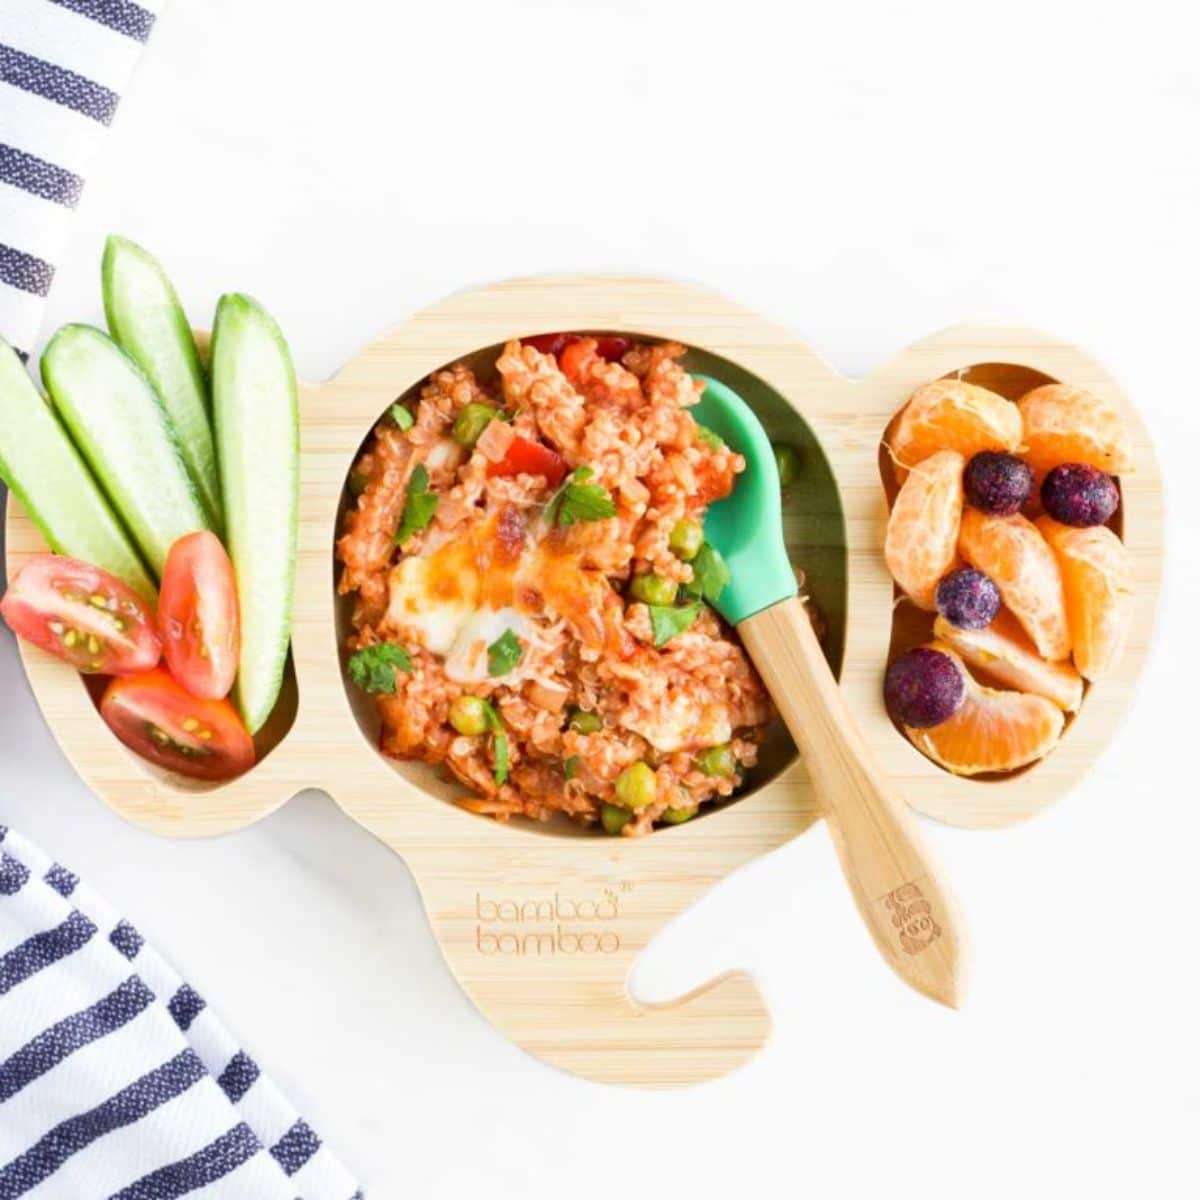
{"points": [[583, 721], [653, 589], [614, 819], [787, 462], [468, 714], [471, 422], [686, 539], [717, 760], [677, 816], [637, 786]]}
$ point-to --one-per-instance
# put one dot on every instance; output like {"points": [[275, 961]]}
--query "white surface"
{"points": [[865, 172]]}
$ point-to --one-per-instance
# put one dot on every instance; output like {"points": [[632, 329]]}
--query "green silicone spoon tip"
{"points": [[747, 526]]}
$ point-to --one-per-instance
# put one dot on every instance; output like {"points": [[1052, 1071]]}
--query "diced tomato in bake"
{"points": [[609, 347], [612, 348], [525, 457], [551, 343]]}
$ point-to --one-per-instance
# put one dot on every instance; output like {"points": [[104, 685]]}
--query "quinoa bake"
{"points": [[529, 573]]}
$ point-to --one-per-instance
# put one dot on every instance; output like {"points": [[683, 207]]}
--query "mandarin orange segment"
{"points": [[1025, 569], [1004, 654], [1097, 575], [1066, 424], [992, 730], [949, 414], [922, 532]]}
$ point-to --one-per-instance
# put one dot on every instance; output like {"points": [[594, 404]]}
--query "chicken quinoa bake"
{"points": [[526, 556]]}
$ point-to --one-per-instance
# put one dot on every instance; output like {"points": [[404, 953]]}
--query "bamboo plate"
{"points": [[541, 925]]}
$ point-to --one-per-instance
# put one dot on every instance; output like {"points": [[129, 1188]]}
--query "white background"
{"points": [[866, 173]]}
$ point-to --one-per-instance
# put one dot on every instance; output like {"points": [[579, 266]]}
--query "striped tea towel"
{"points": [[117, 1082], [63, 64]]}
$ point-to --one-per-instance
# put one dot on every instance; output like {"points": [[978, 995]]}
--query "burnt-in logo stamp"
{"points": [[912, 915], [548, 924]]}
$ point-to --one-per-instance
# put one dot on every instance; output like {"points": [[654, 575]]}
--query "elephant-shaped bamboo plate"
{"points": [[541, 924]]}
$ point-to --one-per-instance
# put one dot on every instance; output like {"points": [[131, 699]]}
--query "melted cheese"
{"points": [[678, 720], [416, 605], [461, 596], [467, 660]]}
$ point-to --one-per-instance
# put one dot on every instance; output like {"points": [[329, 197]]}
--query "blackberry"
{"points": [[997, 483], [968, 599], [924, 688], [1080, 495]]}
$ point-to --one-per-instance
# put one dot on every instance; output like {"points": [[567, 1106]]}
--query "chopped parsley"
{"points": [[402, 417], [504, 653], [710, 574], [374, 667], [419, 505], [666, 622], [707, 437], [499, 743], [570, 767], [579, 500]]}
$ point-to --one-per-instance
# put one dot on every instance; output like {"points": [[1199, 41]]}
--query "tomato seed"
{"points": [[97, 601], [190, 724], [70, 638]]}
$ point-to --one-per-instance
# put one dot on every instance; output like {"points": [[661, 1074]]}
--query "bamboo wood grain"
{"points": [[574, 1009], [885, 864]]}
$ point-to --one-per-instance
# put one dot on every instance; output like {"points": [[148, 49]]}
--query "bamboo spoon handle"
{"points": [[888, 870]]}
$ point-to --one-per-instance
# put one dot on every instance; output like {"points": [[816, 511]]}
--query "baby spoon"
{"points": [[889, 871]]}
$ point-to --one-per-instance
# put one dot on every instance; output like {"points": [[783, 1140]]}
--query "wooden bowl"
{"points": [[541, 924]]}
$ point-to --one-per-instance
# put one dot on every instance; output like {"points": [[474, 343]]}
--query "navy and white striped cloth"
{"points": [[117, 1082], [63, 65]]}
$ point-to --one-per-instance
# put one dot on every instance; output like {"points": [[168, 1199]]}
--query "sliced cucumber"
{"points": [[119, 424], [147, 320], [256, 418], [54, 485]]}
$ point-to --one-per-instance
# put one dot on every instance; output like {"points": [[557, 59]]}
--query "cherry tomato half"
{"points": [[530, 458], [82, 614], [198, 615], [156, 718]]}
